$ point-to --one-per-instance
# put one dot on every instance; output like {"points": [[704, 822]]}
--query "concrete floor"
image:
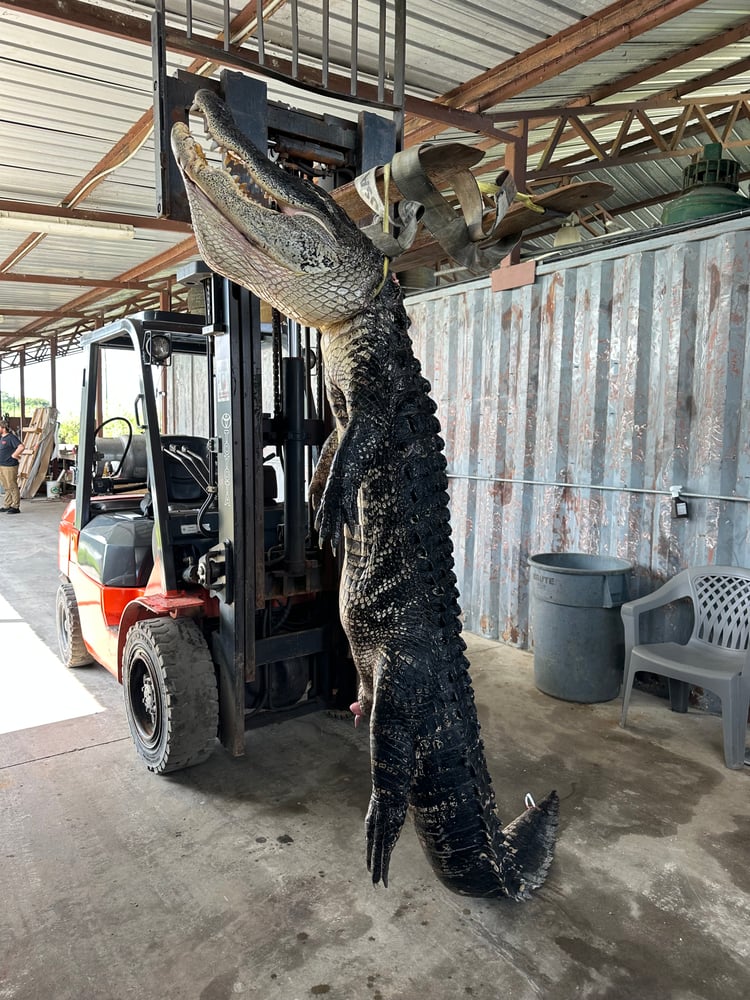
{"points": [[246, 878]]}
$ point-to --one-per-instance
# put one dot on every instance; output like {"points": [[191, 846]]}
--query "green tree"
{"points": [[68, 430], [11, 404]]}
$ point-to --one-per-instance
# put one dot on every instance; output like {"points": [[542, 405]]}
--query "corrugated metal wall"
{"points": [[187, 391], [571, 406], [187, 395]]}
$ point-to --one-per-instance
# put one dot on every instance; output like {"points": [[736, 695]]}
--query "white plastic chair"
{"points": [[716, 656]]}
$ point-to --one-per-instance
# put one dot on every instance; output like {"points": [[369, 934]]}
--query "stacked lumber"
{"points": [[38, 445]]}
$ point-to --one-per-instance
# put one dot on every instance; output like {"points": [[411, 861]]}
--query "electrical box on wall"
{"points": [[679, 503]]}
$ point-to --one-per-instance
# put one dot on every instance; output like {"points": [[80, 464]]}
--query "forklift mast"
{"points": [[265, 560], [239, 569]]}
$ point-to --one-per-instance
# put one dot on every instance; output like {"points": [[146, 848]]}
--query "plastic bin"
{"points": [[579, 644]]}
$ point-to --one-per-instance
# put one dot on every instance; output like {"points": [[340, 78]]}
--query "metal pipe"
{"points": [[319, 379], [353, 58], [295, 507], [595, 486], [381, 51], [260, 33], [310, 413], [399, 69], [295, 40], [22, 386], [325, 40], [293, 338], [53, 371]]}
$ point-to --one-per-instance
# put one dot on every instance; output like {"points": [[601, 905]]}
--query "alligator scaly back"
{"points": [[381, 487]]}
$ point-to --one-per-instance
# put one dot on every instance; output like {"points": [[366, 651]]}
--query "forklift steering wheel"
{"points": [[125, 421]]}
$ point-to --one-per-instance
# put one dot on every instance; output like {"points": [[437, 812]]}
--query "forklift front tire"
{"points": [[73, 652], [171, 698]]}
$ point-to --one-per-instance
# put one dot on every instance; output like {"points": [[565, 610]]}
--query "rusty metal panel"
{"points": [[572, 406]]}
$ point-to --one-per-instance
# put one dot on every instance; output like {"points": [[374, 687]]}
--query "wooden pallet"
{"points": [[38, 443]]}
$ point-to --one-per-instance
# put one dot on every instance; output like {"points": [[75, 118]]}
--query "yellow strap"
{"points": [[386, 223], [528, 202], [379, 289]]}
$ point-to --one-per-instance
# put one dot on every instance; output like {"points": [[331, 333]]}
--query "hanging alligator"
{"points": [[381, 487]]}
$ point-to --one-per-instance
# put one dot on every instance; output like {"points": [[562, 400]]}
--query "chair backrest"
{"points": [[721, 602], [181, 486]]}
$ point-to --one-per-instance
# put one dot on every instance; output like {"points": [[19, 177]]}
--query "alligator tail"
{"points": [[529, 847]]}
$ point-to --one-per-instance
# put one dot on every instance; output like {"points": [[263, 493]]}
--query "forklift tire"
{"points": [[171, 698], [73, 652]]}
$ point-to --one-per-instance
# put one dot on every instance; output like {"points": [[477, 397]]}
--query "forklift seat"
{"points": [[182, 486]]}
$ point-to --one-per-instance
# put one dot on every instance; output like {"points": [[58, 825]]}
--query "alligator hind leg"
{"points": [[392, 745]]}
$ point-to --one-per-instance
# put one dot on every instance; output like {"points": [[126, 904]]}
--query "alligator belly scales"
{"points": [[381, 489]]}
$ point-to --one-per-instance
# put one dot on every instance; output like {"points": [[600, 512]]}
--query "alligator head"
{"points": [[297, 250]]}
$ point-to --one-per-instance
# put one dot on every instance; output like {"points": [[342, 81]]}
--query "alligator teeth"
{"points": [[200, 153]]}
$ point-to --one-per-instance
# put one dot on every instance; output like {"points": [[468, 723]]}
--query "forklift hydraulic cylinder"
{"points": [[295, 504]]}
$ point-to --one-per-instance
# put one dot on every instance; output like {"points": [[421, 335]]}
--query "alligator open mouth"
{"points": [[277, 234]]}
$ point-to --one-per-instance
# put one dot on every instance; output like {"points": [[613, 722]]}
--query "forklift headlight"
{"points": [[158, 349]]}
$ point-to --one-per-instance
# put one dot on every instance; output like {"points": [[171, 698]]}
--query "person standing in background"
{"points": [[11, 450]]}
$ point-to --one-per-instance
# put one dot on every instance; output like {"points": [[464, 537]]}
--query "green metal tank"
{"points": [[710, 187]]}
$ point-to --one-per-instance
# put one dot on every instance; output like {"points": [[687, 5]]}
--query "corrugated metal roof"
{"points": [[70, 93]]}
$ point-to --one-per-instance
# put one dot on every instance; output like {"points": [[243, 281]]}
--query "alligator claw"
{"points": [[328, 526], [338, 507], [383, 823]]}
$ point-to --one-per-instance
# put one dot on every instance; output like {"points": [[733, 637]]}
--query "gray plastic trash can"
{"points": [[579, 643]]}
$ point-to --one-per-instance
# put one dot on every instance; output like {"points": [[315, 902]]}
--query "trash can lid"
{"points": [[580, 563]]}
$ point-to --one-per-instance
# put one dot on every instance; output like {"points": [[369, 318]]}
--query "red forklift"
{"points": [[187, 570]]}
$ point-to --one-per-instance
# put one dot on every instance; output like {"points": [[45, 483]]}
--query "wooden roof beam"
{"points": [[85, 215], [163, 262], [662, 98], [672, 96], [81, 282], [599, 33], [693, 52], [643, 154], [40, 312], [593, 35]]}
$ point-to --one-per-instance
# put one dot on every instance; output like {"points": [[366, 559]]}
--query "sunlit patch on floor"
{"points": [[35, 688]]}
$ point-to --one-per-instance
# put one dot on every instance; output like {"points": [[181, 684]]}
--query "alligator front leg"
{"points": [[392, 748], [358, 446], [323, 468]]}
